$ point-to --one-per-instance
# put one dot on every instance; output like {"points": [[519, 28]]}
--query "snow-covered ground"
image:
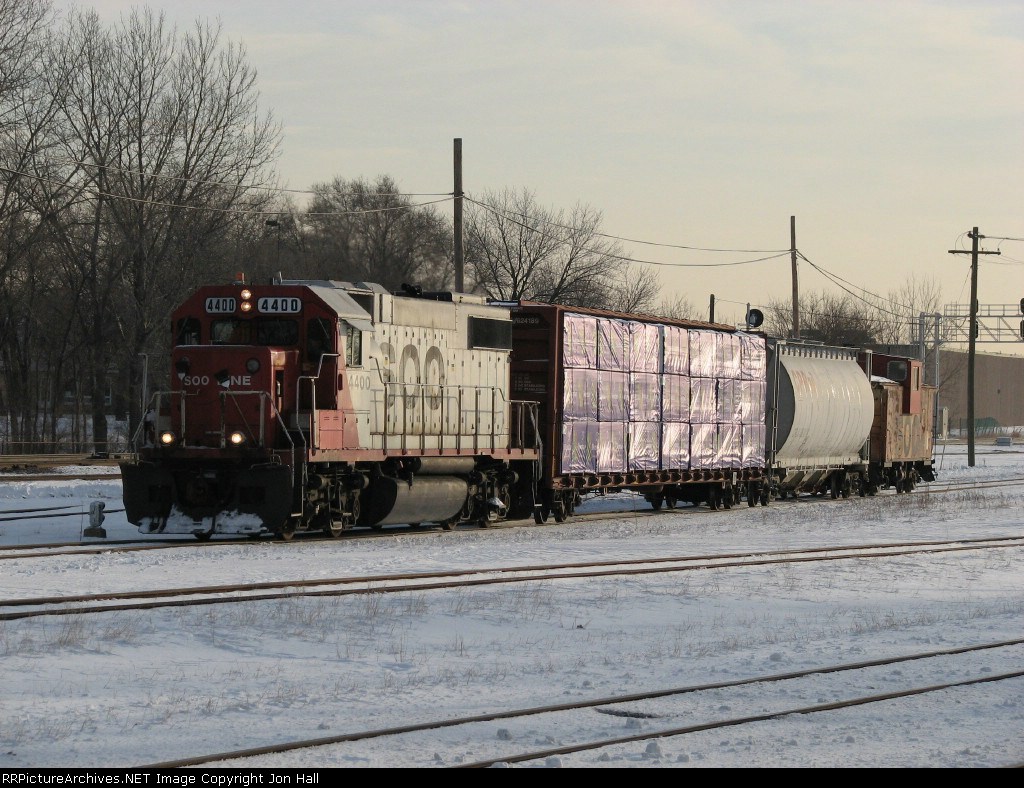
{"points": [[127, 689]]}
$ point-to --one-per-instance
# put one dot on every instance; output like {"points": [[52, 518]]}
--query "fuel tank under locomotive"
{"points": [[427, 491]]}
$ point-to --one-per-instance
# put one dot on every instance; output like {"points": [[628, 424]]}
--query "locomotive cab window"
{"points": [[490, 334], [353, 345], [187, 332], [273, 332], [319, 333], [231, 332]]}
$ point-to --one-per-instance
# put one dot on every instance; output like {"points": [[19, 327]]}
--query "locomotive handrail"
{"points": [[233, 395], [313, 443], [404, 431], [155, 404], [530, 408]]}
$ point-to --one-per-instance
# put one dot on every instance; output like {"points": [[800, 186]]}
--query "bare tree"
{"points": [[22, 26], [516, 249], [371, 232], [171, 149], [898, 316], [825, 317], [678, 308], [638, 291]]}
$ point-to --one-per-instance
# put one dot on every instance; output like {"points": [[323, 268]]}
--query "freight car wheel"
{"points": [[752, 494], [766, 495], [657, 499], [204, 536]]}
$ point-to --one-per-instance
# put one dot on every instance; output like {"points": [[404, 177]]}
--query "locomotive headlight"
{"points": [[253, 365], [167, 438], [246, 294], [245, 306], [236, 438]]}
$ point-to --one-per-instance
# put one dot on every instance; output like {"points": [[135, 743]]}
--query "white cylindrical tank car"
{"points": [[819, 413]]}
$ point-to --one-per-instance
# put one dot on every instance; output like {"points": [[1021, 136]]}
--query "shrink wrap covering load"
{"points": [[644, 396], [644, 446], [613, 345]]}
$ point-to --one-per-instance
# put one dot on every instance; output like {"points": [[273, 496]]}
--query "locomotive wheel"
{"points": [[333, 528], [286, 532], [449, 525]]}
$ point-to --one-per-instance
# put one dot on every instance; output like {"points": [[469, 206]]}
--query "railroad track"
{"points": [[82, 604], [15, 461], [420, 744], [157, 542]]}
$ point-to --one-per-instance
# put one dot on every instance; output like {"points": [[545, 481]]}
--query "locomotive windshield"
{"points": [[273, 331]]}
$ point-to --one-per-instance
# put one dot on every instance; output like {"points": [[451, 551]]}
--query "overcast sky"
{"points": [[888, 129]]}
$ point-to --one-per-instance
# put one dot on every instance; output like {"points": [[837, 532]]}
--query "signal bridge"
{"points": [[995, 323]]}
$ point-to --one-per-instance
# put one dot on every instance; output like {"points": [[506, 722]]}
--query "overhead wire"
{"points": [[233, 211], [279, 189], [612, 255]]}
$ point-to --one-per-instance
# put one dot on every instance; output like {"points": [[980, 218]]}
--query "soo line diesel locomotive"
{"points": [[321, 406]]}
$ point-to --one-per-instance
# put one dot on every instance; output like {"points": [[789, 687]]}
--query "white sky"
{"points": [[127, 689], [888, 129]]}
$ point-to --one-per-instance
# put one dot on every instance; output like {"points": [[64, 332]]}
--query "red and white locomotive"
{"points": [[322, 405]]}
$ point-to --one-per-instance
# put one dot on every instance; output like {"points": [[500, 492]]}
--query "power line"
{"points": [[505, 215], [233, 211], [202, 182], [612, 255]]}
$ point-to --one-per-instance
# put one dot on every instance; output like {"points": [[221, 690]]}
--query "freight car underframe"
{"points": [[722, 489], [842, 481], [719, 489]]}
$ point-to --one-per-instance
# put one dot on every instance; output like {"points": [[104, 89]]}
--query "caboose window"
{"points": [[188, 331], [491, 334]]}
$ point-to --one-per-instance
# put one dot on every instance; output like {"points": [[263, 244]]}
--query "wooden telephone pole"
{"points": [[796, 290], [460, 265], [972, 337]]}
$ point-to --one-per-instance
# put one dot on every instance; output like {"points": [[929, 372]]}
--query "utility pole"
{"points": [[972, 338], [796, 290], [460, 283]]}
